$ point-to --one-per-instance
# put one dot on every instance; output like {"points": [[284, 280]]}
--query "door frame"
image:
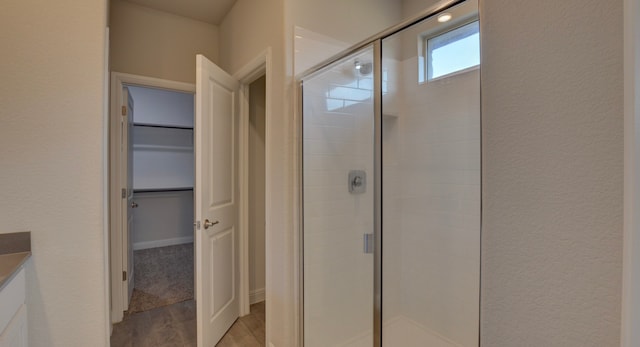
{"points": [[260, 66], [631, 245], [118, 81]]}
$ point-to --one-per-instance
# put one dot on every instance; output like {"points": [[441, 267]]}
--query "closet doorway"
{"points": [[152, 159], [152, 218], [162, 225]]}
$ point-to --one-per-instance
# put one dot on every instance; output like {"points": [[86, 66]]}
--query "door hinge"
{"points": [[124, 110], [124, 275], [124, 193]]}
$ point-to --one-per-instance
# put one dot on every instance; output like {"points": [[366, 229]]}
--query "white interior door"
{"points": [[128, 203], [216, 236]]}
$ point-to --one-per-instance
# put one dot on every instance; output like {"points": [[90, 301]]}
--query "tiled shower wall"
{"points": [[432, 204]]}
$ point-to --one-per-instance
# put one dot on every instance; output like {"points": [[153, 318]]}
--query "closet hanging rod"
{"points": [[163, 126], [161, 190]]}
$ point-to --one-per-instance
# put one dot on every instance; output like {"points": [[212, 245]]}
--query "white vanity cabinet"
{"points": [[13, 312]]}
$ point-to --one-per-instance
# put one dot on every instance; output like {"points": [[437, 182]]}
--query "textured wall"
{"points": [[153, 43], [552, 172], [52, 142]]}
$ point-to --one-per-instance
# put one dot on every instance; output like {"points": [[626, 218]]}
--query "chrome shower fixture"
{"points": [[363, 69]]}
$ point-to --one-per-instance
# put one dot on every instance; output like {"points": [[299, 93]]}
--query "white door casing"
{"points": [[216, 206], [127, 206]]}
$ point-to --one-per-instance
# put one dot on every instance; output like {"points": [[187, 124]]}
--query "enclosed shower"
{"points": [[391, 193]]}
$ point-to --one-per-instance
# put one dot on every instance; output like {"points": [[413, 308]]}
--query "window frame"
{"points": [[425, 65]]}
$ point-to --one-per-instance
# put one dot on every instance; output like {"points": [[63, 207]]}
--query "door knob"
{"points": [[134, 204], [208, 224]]}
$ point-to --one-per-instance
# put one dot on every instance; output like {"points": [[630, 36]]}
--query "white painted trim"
{"points": [[630, 334], [162, 243], [115, 289], [244, 199], [256, 295], [105, 188], [259, 66]]}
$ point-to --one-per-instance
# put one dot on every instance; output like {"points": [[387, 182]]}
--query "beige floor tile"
{"points": [[175, 325]]}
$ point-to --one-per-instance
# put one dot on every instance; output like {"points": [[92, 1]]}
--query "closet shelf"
{"points": [[163, 126], [163, 148], [162, 190]]}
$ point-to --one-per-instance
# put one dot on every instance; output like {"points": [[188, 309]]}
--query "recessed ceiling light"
{"points": [[445, 17]]}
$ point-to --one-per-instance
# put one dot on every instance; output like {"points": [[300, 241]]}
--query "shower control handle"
{"points": [[208, 224]]}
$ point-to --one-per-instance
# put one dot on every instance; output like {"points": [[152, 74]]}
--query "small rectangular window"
{"points": [[453, 51]]}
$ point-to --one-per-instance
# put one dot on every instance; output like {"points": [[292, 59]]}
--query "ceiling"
{"points": [[210, 11]]}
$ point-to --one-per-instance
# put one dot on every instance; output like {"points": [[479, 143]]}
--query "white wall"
{"points": [[52, 172], [552, 121], [256, 189], [162, 107], [153, 43], [162, 219]]}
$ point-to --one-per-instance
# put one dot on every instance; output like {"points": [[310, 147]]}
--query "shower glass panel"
{"points": [[391, 188], [431, 182], [338, 147]]}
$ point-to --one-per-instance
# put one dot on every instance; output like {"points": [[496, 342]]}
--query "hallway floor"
{"points": [[175, 326]]}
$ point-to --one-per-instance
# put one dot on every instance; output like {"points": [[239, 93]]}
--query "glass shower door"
{"points": [[391, 189], [431, 182], [338, 144]]}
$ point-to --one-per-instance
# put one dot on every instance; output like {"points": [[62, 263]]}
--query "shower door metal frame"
{"points": [[376, 42]]}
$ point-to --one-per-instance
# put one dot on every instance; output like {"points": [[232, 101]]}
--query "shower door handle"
{"points": [[368, 243]]}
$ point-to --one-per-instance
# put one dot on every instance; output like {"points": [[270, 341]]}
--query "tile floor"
{"points": [[175, 325]]}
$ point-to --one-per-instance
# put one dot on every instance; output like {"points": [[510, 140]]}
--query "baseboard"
{"points": [[256, 296], [425, 332], [162, 243]]}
